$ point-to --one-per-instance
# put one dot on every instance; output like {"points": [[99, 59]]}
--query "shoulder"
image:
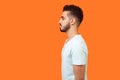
{"points": [[78, 43]]}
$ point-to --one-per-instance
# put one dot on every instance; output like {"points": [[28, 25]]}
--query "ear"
{"points": [[72, 21]]}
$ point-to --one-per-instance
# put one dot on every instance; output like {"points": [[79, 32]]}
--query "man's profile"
{"points": [[74, 51]]}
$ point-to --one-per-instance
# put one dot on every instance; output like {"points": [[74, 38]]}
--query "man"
{"points": [[74, 52]]}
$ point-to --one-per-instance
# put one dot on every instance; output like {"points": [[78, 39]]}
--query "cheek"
{"points": [[64, 22]]}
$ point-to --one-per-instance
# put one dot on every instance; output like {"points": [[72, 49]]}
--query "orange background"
{"points": [[30, 40]]}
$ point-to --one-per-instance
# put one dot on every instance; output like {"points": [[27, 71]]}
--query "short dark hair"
{"points": [[75, 11]]}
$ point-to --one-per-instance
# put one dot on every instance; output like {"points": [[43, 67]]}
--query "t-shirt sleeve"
{"points": [[79, 55]]}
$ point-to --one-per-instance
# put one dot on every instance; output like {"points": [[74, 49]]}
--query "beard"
{"points": [[66, 28]]}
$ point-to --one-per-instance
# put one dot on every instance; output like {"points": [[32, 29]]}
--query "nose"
{"points": [[59, 21]]}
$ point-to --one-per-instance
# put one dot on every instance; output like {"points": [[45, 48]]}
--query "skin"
{"points": [[69, 24]]}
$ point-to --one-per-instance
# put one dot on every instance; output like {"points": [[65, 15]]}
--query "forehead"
{"points": [[65, 13]]}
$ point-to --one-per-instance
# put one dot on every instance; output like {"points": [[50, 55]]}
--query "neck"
{"points": [[72, 32]]}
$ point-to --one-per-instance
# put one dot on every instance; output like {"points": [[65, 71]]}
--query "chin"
{"points": [[62, 30]]}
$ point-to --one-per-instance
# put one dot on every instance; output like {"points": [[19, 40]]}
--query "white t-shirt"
{"points": [[74, 52]]}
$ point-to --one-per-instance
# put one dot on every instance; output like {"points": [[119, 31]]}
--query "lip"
{"points": [[60, 26]]}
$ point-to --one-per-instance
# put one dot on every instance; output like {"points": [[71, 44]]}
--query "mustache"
{"points": [[60, 24]]}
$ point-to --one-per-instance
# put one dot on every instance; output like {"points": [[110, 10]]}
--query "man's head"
{"points": [[72, 15]]}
